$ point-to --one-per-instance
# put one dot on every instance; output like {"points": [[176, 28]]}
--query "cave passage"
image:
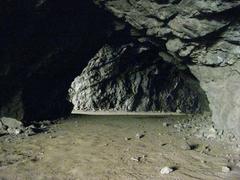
{"points": [[163, 75], [116, 67], [168, 56]]}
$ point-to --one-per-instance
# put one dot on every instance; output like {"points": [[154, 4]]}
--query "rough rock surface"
{"points": [[10, 126], [204, 33], [130, 78], [222, 86]]}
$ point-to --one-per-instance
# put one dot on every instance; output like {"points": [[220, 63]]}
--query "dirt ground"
{"points": [[106, 147]]}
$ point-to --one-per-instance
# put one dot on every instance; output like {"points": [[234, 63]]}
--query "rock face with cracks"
{"points": [[130, 78], [202, 34]]}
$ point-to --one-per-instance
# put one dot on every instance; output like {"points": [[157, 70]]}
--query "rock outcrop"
{"points": [[134, 78], [222, 86], [203, 34]]}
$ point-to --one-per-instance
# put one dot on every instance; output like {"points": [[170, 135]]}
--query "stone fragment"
{"points": [[166, 124], [30, 130], [127, 138], [185, 146], [11, 126], [139, 135], [166, 170], [11, 123], [226, 169], [14, 131], [136, 158]]}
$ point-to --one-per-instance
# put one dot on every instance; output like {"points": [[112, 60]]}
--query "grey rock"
{"points": [[202, 33], [127, 138], [226, 169], [222, 87], [138, 159], [185, 146], [166, 124], [166, 170], [30, 130], [14, 131], [190, 28], [122, 79], [10, 126], [139, 135], [11, 123]]}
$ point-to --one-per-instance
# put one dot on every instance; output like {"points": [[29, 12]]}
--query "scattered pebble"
{"points": [[165, 124], [14, 131], [166, 170], [136, 158], [226, 169], [52, 136], [185, 146], [207, 149], [127, 138], [238, 164], [139, 136], [30, 130]]}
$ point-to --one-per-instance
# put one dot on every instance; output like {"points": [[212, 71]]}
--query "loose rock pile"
{"points": [[12, 126]]}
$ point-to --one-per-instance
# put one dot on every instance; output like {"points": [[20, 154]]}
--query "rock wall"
{"points": [[202, 33], [222, 86], [134, 78]]}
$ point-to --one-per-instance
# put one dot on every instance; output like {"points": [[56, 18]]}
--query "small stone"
{"points": [[212, 133], [226, 169], [207, 148], [14, 131], [136, 159], [238, 164], [127, 138], [11, 123], [166, 170], [186, 146], [165, 124], [52, 137], [30, 130], [139, 136]]}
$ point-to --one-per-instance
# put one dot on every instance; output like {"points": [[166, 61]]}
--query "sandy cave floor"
{"points": [[103, 147]]}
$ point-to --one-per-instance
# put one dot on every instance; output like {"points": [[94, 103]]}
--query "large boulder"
{"points": [[133, 78]]}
